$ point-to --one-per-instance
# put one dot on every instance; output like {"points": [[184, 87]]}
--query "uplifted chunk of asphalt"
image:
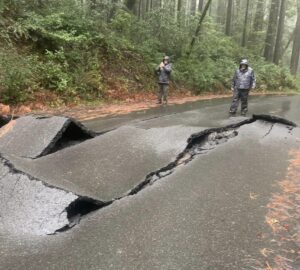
{"points": [[34, 136], [120, 162], [108, 166]]}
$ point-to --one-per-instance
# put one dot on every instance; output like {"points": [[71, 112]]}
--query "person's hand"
{"points": [[161, 65], [232, 89]]}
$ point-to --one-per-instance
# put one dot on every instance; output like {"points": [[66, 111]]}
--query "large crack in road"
{"points": [[31, 206]]}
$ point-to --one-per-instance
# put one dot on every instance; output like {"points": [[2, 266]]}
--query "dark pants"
{"points": [[163, 90], [240, 94]]}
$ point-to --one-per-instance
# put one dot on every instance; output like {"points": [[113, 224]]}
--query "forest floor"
{"points": [[87, 111]]}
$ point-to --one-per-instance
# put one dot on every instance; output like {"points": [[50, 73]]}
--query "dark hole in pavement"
{"points": [[73, 134], [6, 119], [82, 206], [79, 208]]}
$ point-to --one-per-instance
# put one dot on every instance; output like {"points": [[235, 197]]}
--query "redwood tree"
{"points": [[272, 29], [296, 44], [229, 18], [278, 44]]}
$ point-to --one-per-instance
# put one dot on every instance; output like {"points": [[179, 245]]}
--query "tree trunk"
{"points": [[193, 7], [228, 18], [296, 44], [291, 38], [278, 44], [200, 6], [179, 8], [236, 15], [271, 32], [140, 9], [199, 27], [259, 16], [221, 12], [244, 40], [130, 4]]}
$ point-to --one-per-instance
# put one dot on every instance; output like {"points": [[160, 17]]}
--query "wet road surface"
{"points": [[225, 199]]}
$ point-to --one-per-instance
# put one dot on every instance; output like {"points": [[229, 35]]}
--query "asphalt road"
{"points": [[228, 199]]}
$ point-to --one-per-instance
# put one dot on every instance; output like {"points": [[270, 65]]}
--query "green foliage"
{"points": [[54, 72], [17, 76], [76, 49], [58, 29], [272, 77]]}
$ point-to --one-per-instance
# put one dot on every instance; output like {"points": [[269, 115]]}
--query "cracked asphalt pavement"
{"points": [[179, 187]]}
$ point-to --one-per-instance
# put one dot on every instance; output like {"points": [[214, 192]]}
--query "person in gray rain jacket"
{"points": [[243, 81], [163, 71]]}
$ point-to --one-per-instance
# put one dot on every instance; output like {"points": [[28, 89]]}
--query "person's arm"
{"points": [[253, 80], [234, 79], [168, 68], [158, 69]]}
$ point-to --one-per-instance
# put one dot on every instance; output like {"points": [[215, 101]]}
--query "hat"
{"points": [[244, 62]]}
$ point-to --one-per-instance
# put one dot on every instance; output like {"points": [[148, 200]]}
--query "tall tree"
{"points": [[221, 12], [296, 44], [130, 4], [291, 38], [236, 14], [140, 9], [244, 39], [193, 7], [259, 16], [229, 17], [200, 6], [179, 8], [271, 32], [280, 30], [199, 27]]}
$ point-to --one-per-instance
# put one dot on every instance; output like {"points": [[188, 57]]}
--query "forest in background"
{"points": [[75, 50]]}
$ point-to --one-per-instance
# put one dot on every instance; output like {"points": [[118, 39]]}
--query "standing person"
{"points": [[243, 81], [164, 71]]}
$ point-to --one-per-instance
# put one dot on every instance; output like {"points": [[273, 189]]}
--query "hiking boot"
{"points": [[232, 113], [243, 113], [158, 102]]}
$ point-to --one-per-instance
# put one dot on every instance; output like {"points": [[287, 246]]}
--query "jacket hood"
{"points": [[244, 62]]}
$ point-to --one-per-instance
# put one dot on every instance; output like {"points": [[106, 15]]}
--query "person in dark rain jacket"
{"points": [[243, 81], [163, 71]]}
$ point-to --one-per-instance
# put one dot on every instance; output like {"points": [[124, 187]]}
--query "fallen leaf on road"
{"points": [[266, 252], [268, 266], [253, 196], [272, 221]]}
